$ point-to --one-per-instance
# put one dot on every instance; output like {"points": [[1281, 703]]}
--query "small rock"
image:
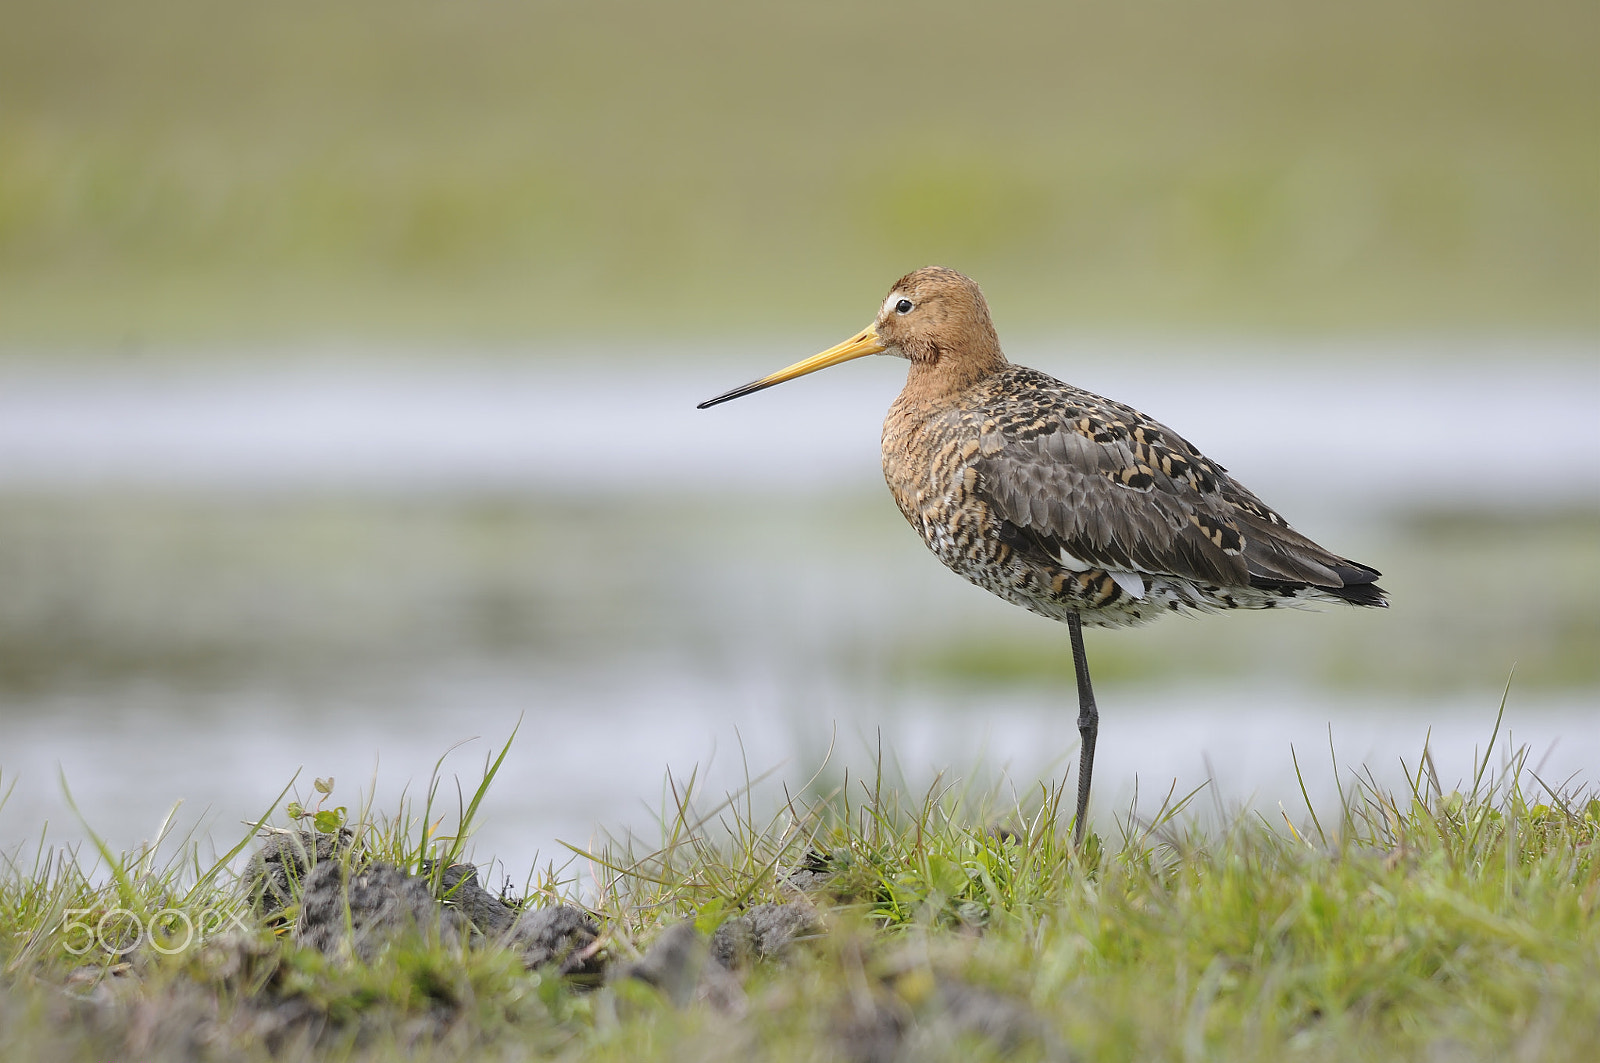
{"points": [[235, 959], [672, 963], [102, 985], [376, 904], [460, 889], [734, 944], [814, 872], [561, 935], [764, 932], [679, 964], [279, 868]]}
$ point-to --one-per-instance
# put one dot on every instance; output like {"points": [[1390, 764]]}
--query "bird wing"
{"points": [[1092, 483], [1273, 551], [1098, 485]]}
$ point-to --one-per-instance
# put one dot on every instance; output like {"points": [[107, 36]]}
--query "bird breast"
{"points": [[927, 457], [928, 463]]}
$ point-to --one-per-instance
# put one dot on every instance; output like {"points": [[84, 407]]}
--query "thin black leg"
{"points": [[1088, 727]]}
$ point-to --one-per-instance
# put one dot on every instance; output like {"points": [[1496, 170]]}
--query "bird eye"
{"points": [[903, 306]]}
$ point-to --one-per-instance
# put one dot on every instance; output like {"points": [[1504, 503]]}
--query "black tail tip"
{"points": [[1360, 585], [1362, 594]]}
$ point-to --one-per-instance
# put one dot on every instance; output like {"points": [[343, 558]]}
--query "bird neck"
{"points": [[933, 381]]}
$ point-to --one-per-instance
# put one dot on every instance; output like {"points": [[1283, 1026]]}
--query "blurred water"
{"points": [[1485, 425], [216, 576]]}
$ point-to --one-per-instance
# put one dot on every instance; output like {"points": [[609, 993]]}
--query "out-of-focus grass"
{"points": [[176, 169], [955, 924]]}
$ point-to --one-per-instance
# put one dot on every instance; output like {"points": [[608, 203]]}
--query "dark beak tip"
{"points": [[736, 393]]}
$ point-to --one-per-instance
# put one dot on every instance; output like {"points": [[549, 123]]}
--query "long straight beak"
{"points": [[860, 345]]}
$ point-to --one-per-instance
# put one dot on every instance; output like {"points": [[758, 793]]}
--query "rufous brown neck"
{"points": [[941, 372]]}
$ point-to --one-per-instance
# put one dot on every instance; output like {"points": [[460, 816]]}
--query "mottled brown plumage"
{"points": [[1071, 505]]}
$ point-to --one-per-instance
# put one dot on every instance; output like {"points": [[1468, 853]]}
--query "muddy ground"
{"points": [[324, 909]]}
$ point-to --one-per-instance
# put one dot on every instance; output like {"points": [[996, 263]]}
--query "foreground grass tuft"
{"points": [[857, 922]]}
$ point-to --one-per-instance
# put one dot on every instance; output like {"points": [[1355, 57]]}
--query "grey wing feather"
{"points": [[1071, 471], [1275, 551], [1058, 489]]}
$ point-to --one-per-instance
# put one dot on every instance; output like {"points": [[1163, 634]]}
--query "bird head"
{"points": [[935, 317]]}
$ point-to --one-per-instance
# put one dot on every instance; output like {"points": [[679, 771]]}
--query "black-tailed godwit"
{"points": [[1063, 502]]}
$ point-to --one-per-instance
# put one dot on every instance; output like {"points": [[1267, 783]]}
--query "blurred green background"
{"points": [[177, 170], [349, 353]]}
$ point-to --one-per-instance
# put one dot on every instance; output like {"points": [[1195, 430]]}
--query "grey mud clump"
{"points": [[686, 967], [460, 890], [278, 870], [680, 965], [816, 872], [367, 907], [765, 932], [341, 908], [564, 936]]}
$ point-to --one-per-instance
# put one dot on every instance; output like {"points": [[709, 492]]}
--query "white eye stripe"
{"points": [[891, 304]]}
